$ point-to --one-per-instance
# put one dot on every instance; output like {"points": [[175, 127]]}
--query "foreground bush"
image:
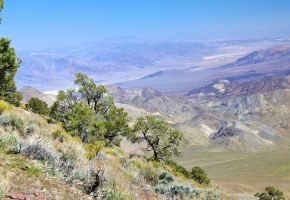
{"points": [[13, 121], [270, 193], [11, 143], [170, 189]]}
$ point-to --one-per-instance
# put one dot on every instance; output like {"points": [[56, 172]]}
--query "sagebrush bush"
{"points": [[168, 187], [32, 127], [4, 106], [149, 175], [115, 195], [36, 149], [13, 121], [166, 176], [184, 191], [10, 142]]}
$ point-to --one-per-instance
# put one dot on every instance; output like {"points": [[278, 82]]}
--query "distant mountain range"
{"points": [[115, 61], [260, 63]]}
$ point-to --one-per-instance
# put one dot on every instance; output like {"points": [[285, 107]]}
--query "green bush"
{"points": [[178, 168], [115, 195], [4, 106], [270, 193], [93, 149], [14, 98], [200, 176], [166, 176], [32, 127], [58, 135], [38, 106], [149, 175], [12, 121], [11, 143]]}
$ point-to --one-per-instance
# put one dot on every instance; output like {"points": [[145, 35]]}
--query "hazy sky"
{"points": [[53, 23]]}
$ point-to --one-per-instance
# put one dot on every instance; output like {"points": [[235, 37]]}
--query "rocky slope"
{"points": [[39, 160], [172, 108], [236, 115], [250, 114]]}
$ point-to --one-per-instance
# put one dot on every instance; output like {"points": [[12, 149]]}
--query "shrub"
{"points": [[184, 191], [150, 176], [14, 98], [166, 176], [4, 106], [62, 163], [58, 135], [32, 127], [178, 168], [200, 176], [11, 143], [136, 163], [115, 195], [40, 151], [93, 149], [270, 193], [1, 193], [38, 106], [175, 189], [13, 121]]}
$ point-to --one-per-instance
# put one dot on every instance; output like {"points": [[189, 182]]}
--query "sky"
{"points": [[36, 24]]}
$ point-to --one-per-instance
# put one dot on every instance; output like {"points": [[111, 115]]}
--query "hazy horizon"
{"points": [[44, 24]]}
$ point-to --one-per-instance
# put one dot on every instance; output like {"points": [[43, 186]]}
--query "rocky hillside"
{"points": [[281, 52], [172, 108], [42, 161], [247, 115], [225, 89]]}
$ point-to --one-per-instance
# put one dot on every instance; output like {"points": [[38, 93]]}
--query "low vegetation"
{"points": [[38, 106], [98, 171], [271, 193], [199, 175]]}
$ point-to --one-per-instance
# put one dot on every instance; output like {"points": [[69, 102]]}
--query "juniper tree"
{"points": [[161, 139], [109, 123], [38, 106], [9, 64]]}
